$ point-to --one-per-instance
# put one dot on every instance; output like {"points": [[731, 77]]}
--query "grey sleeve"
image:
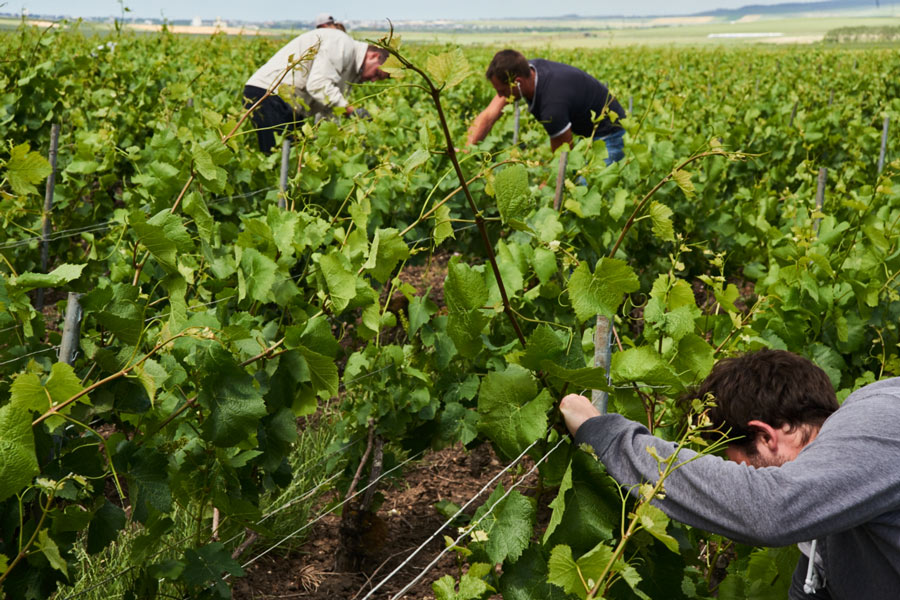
{"points": [[833, 485]]}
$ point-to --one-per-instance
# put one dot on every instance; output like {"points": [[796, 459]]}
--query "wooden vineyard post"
{"points": [[884, 136], [793, 113], [48, 206], [630, 105], [602, 354], [516, 124], [820, 195], [285, 165], [560, 179], [68, 347], [831, 97]]}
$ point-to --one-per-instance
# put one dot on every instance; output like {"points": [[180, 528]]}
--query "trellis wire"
{"points": [[57, 235], [66, 233], [451, 519], [50, 349], [329, 511], [472, 527]]}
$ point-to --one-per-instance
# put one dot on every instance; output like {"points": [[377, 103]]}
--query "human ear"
{"points": [[765, 436]]}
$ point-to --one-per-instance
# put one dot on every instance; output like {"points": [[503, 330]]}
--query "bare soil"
{"points": [[405, 520]]}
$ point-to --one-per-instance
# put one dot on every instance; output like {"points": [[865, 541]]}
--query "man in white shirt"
{"points": [[317, 67]]}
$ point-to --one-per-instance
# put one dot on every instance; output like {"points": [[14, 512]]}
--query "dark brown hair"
{"points": [[382, 53], [773, 386], [507, 65]]}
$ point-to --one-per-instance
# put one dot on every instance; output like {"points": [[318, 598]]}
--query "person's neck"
{"points": [[528, 85]]}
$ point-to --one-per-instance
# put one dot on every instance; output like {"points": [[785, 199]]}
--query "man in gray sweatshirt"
{"points": [[801, 470]]}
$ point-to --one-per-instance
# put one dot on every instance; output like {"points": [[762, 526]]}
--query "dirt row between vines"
{"points": [[405, 520]]}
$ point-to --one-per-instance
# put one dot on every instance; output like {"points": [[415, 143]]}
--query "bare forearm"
{"points": [[564, 138], [485, 120]]}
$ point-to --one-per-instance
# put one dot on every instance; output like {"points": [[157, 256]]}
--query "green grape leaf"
{"points": [[471, 587], [641, 364], [323, 372], [443, 226], [578, 577], [151, 374], [464, 288], [694, 360], [558, 504], [155, 236], [105, 526], [236, 406], [464, 329], [50, 550], [603, 291], [655, 522], [592, 378], [661, 216], [508, 526], [726, 297], [513, 414], [195, 207], [25, 168], [148, 480], [205, 565], [445, 588], [18, 462], [62, 274], [513, 196], [683, 179], [203, 162], [394, 67], [29, 394], [388, 249], [340, 280], [124, 318], [449, 68], [526, 579], [63, 383], [259, 275], [543, 344], [544, 264], [415, 160]]}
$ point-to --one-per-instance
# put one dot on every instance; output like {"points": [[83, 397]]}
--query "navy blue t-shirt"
{"points": [[565, 97]]}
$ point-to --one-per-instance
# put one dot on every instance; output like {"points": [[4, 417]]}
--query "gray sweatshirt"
{"points": [[842, 489]]}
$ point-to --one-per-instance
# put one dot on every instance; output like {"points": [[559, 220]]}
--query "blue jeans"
{"points": [[615, 150], [615, 146]]}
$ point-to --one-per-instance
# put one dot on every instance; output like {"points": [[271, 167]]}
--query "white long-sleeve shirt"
{"points": [[318, 84]]}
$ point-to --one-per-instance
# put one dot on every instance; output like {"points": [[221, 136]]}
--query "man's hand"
{"points": [[576, 409], [485, 120]]}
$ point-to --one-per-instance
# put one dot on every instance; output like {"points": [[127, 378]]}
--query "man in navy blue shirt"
{"points": [[567, 101]]}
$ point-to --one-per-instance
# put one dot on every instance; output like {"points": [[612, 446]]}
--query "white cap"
{"points": [[323, 19]]}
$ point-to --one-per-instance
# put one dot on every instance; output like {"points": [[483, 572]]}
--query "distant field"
{"points": [[588, 33], [796, 30]]}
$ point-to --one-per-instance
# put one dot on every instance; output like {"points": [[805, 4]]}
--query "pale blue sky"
{"points": [[264, 10]]}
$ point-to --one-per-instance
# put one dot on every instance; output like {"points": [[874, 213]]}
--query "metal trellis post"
{"points": [[285, 166], [48, 206]]}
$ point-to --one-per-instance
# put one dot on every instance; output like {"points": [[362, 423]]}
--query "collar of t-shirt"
{"points": [[534, 97]]}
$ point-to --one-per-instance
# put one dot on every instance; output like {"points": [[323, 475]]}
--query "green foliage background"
{"points": [[213, 319]]}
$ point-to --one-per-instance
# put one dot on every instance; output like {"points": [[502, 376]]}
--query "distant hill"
{"points": [[798, 7]]}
